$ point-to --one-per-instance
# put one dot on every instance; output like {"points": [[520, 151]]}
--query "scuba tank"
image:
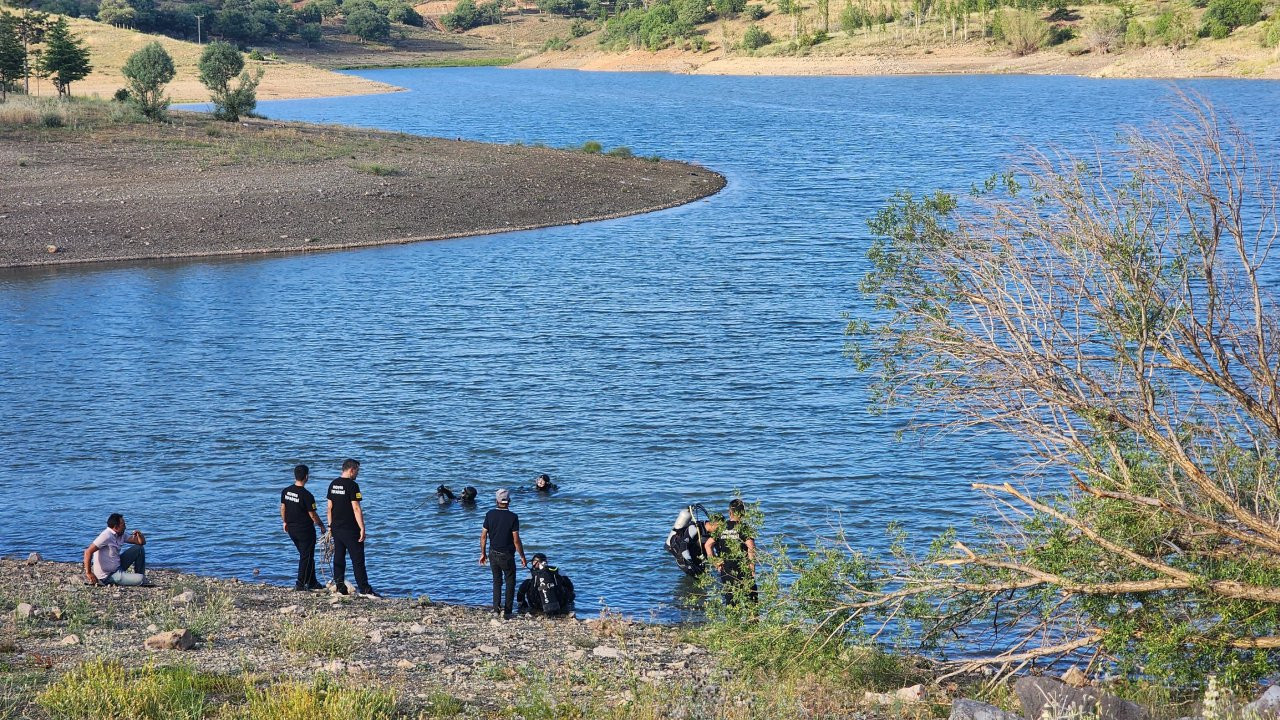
{"points": [[684, 542], [544, 588]]}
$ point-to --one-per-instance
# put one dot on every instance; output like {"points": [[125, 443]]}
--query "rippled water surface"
{"points": [[644, 363]]}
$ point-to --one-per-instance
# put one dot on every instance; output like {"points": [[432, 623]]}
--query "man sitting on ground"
{"points": [[104, 562]]}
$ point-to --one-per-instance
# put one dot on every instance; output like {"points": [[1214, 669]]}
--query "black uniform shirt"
{"points": [[501, 523], [299, 503], [343, 492]]}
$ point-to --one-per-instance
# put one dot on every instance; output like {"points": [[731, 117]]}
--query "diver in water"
{"points": [[544, 485], [444, 495], [546, 590], [468, 496]]}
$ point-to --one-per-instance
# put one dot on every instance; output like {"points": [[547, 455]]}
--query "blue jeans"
{"points": [[134, 557]]}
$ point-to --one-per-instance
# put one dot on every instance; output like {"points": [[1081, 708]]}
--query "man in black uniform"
{"points": [[346, 523], [733, 549], [502, 530], [298, 515]]}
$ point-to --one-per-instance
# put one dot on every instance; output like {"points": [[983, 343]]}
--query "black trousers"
{"points": [[347, 541], [304, 538], [738, 585], [503, 565]]}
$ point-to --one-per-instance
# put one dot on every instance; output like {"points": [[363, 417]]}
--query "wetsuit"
{"points": [[343, 492], [299, 503], [736, 568]]}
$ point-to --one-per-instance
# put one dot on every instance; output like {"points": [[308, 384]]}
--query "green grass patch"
{"points": [[318, 700], [320, 637], [204, 616], [376, 169], [105, 689], [440, 704]]}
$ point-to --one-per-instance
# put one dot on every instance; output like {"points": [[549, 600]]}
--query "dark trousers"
{"points": [[304, 538], [503, 565], [738, 585], [347, 541]]}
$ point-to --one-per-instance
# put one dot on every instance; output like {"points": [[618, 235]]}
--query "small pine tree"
{"points": [[148, 71], [65, 59], [13, 57]]}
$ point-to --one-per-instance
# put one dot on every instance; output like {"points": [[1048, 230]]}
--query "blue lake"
{"points": [[644, 363]]}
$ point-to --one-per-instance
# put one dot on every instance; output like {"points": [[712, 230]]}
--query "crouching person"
{"points": [[546, 591], [105, 564]]}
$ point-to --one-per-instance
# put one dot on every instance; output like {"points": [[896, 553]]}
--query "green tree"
{"points": [[220, 63], [404, 14], [1112, 317], [755, 37], [13, 57], [369, 25], [1223, 16], [148, 71], [31, 27], [311, 13], [117, 12], [65, 59], [692, 12], [311, 33]]}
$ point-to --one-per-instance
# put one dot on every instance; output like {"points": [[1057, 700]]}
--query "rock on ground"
{"points": [[965, 709], [1037, 693], [1266, 707], [172, 640]]}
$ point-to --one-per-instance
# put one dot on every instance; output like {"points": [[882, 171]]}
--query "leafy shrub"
{"points": [[1059, 34], [1173, 28], [405, 15], [369, 25], [1135, 35], [729, 8], [568, 8], [622, 151], [310, 13], [468, 15], [1104, 33], [580, 28], [104, 689], [1271, 33], [1025, 31], [653, 29], [311, 33], [256, 55], [556, 43], [756, 12], [755, 37], [122, 95], [219, 63], [692, 12], [1223, 16], [592, 147]]}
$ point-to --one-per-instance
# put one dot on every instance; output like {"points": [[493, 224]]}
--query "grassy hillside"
{"points": [[111, 46]]}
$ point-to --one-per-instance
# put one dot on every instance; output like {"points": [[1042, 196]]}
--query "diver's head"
{"points": [[539, 560], [737, 509], [543, 481], [469, 493]]}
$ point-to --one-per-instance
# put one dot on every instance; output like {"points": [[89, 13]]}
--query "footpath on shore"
{"points": [[93, 190]]}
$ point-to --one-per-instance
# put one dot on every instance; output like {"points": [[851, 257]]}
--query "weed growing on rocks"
{"points": [[105, 689], [320, 637], [322, 698]]}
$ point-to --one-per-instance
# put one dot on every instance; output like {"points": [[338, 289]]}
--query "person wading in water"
{"points": [[733, 551], [502, 531]]}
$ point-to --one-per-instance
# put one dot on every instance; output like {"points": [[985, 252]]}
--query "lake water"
{"points": [[644, 363]]}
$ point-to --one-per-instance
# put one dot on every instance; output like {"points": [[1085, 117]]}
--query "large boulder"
{"points": [[965, 709], [1266, 707], [1062, 700], [179, 639]]}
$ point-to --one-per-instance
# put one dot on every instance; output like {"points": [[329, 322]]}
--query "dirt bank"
{"points": [[98, 191]]}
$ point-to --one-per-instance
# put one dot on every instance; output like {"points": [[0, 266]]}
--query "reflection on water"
{"points": [[644, 363]]}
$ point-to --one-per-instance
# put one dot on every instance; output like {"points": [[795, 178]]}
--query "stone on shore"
{"points": [[70, 640], [965, 709], [1266, 707], [33, 559], [1075, 677], [179, 639], [1038, 693], [604, 651], [906, 695], [186, 597], [24, 611]]}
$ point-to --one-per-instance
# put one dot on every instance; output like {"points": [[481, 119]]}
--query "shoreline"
{"points": [[194, 189]]}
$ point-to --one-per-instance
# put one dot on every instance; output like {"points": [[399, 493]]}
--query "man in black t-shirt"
{"points": [[298, 515], [346, 525], [502, 530]]}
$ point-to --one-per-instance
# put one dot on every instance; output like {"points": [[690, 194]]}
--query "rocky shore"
{"points": [[83, 188], [424, 651]]}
